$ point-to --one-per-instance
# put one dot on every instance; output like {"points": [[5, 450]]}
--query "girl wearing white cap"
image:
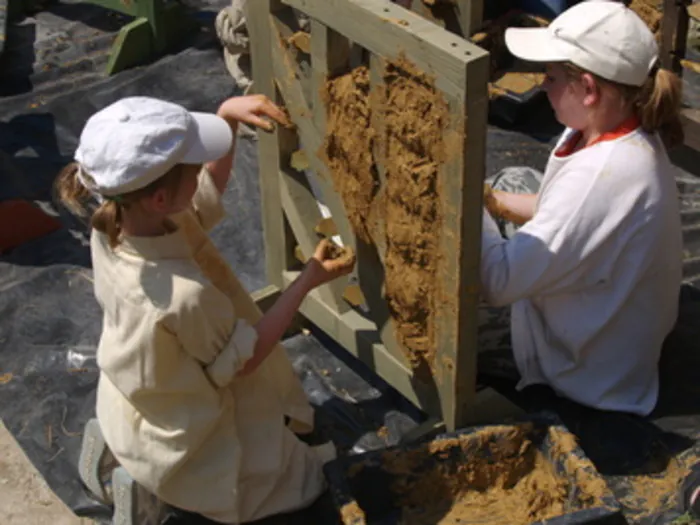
{"points": [[194, 390], [594, 273]]}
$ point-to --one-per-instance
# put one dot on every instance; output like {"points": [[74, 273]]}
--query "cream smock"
{"points": [[176, 329], [594, 277]]}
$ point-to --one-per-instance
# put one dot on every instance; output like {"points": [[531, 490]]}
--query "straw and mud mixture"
{"points": [[388, 178], [493, 476]]}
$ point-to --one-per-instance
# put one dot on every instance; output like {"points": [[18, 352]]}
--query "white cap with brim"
{"points": [[131, 143], [600, 36]]}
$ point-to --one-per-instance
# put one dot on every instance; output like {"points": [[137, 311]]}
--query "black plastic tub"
{"points": [[528, 472]]}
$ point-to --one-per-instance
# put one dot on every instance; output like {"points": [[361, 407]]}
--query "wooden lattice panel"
{"points": [[390, 113]]}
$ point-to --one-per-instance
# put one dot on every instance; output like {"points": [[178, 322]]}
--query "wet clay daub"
{"points": [[650, 13], [496, 475], [348, 144], [302, 41], [336, 252], [414, 116], [351, 513], [591, 486]]}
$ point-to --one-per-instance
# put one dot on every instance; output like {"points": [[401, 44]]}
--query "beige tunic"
{"points": [[176, 329]]}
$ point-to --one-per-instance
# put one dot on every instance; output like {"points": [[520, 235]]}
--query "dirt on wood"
{"points": [[504, 479], [405, 217], [301, 40], [649, 12]]}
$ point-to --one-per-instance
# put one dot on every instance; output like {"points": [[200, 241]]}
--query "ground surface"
{"points": [[25, 498]]}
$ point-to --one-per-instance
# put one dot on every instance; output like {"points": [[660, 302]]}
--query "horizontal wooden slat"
{"points": [[390, 30], [358, 335], [300, 111]]}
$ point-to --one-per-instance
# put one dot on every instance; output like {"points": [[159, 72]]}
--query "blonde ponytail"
{"points": [[70, 191], [107, 219], [73, 194], [658, 106], [107, 216]]}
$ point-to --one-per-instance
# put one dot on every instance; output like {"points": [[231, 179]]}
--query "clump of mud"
{"points": [[413, 116], [348, 145]]}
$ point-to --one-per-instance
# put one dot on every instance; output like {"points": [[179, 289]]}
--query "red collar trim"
{"points": [[628, 126]]}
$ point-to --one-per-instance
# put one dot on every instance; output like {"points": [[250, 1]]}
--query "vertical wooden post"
{"points": [[674, 32], [330, 55], [258, 19], [471, 15], [461, 198]]}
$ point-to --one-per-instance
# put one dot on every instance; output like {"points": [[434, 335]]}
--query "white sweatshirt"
{"points": [[594, 277]]}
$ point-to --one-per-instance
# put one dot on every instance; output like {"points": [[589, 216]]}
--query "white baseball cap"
{"points": [[600, 36], [131, 143]]}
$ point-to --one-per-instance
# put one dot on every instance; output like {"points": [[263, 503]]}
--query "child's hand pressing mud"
{"points": [[329, 262], [497, 209]]}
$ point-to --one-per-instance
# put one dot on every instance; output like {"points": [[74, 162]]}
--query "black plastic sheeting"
{"points": [[50, 321]]}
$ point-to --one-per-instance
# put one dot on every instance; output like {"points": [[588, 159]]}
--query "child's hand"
{"points": [[490, 201], [329, 262], [252, 109]]}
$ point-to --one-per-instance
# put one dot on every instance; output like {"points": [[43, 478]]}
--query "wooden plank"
{"points": [[681, 37], [303, 214], [691, 126], [389, 31], [133, 46], [311, 138], [674, 30], [330, 56], [258, 22], [287, 25], [471, 15], [358, 336], [461, 17], [265, 297], [286, 73], [460, 190]]}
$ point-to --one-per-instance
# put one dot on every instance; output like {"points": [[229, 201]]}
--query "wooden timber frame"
{"points": [[290, 207], [674, 35], [461, 17]]}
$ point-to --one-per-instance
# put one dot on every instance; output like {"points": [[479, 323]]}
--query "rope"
{"points": [[231, 28]]}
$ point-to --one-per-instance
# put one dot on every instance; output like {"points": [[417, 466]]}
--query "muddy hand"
{"points": [[497, 209], [330, 262], [256, 110], [490, 202]]}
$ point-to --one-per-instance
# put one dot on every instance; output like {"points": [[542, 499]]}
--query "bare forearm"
{"points": [[220, 169], [277, 319], [515, 207]]}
